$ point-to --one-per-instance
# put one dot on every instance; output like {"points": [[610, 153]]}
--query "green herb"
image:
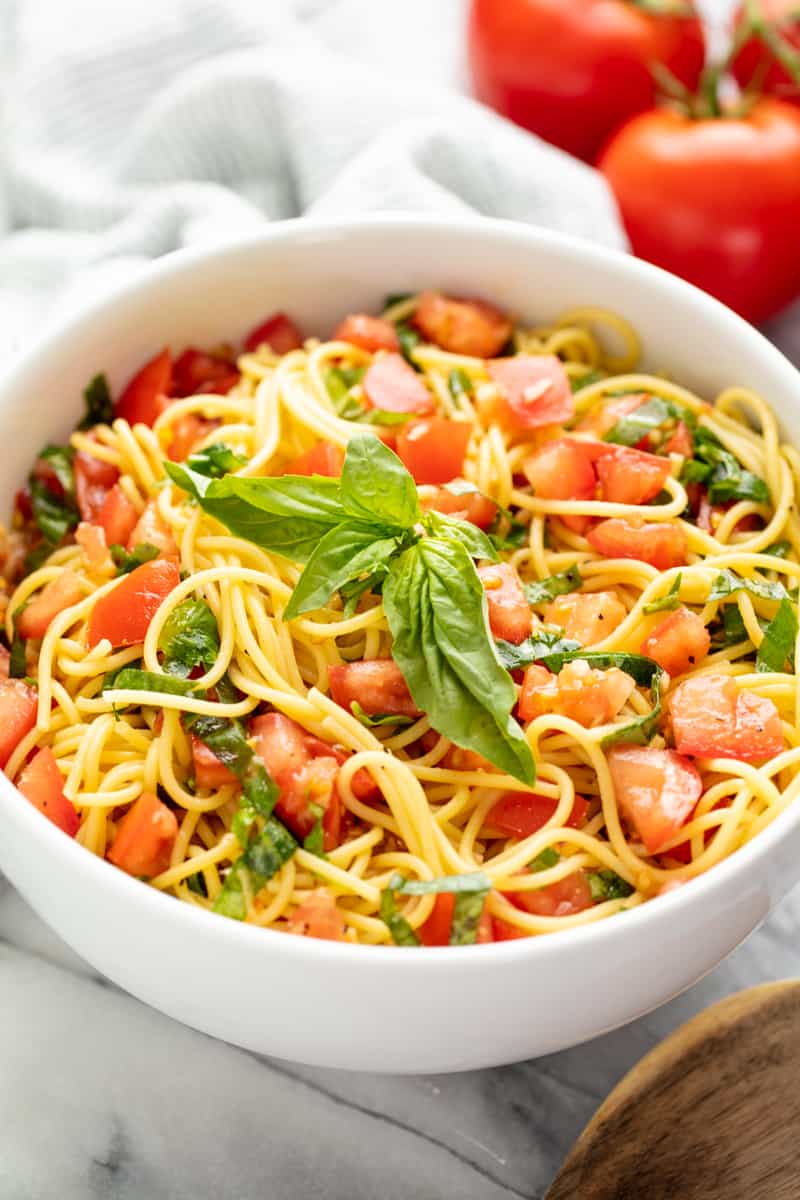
{"points": [[630, 429], [728, 582], [263, 858], [578, 382], [727, 478], [128, 560], [668, 602], [397, 298], [548, 858], [474, 540], [197, 884], [409, 339], [607, 885], [459, 383], [315, 840], [55, 515], [553, 585], [436, 609], [732, 631], [130, 679], [228, 741], [506, 532], [60, 459], [17, 665], [534, 649], [693, 471], [470, 892], [35, 557], [215, 460], [189, 638], [398, 926], [99, 405], [780, 638], [641, 729], [378, 719], [780, 549]]}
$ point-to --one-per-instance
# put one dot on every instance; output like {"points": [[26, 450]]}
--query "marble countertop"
{"points": [[102, 1097]]}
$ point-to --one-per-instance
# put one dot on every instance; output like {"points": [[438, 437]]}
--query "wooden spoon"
{"points": [[713, 1112]]}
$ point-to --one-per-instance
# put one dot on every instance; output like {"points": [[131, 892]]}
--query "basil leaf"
{"points": [[640, 731], [398, 926], [608, 885], [17, 663], [474, 882], [228, 741], [287, 515], [630, 429], [339, 381], [459, 383], [553, 585], [130, 679], [60, 459], [344, 554], [548, 858], [99, 405], [376, 487], [533, 649], [576, 383], [314, 842], [352, 592], [379, 718], [189, 638], [728, 479], [215, 461], [55, 515], [470, 892], [197, 884], [669, 601], [732, 631], [436, 609], [728, 582], [641, 668], [694, 471], [128, 560], [474, 540], [780, 549], [397, 298], [382, 416], [780, 638], [262, 859], [409, 339]]}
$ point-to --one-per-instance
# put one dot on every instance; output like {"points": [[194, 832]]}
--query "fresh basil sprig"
{"points": [[368, 525], [470, 892]]}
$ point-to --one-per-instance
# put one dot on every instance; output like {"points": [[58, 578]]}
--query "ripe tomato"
{"points": [[152, 530], [656, 791], [756, 62], [521, 814], [93, 478], [391, 384], [562, 470], [436, 930], [433, 449], [628, 476], [318, 917], [117, 516], [145, 837], [279, 332], [572, 73], [305, 770], [679, 642], [604, 415], [581, 692], [470, 327], [467, 506], [562, 899], [322, 459], [510, 616], [377, 684], [17, 715], [662, 546], [209, 771], [60, 593], [536, 391], [586, 617], [712, 718], [678, 184], [41, 783], [142, 400], [124, 613], [195, 371], [369, 333]]}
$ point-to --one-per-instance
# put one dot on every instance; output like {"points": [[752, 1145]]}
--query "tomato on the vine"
{"points": [[767, 37], [715, 199], [574, 72]]}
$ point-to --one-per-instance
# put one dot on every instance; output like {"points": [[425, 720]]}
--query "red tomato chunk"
{"points": [[56, 596], [17, 715], [656, 791], [318, 917], [322, 459], [394, 386], [437, 929], [588, 617], [510, 616], [124, 614], [368, 333], [377, 684], [278, 332], [145, 838], [536, 390], [433, 450], [713, 718], [470, 327], [142, 400], [305, 771], [521, 814], [679, 642], [662, 546], [41, 783]]}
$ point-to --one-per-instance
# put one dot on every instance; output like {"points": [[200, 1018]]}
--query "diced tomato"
{"points": [[679, 642], [536, 390], [186, 433], [510, 616], [304, 776], [318, 917], [60, 593], [713, 718], [662, 545], [278, 332], [433, 450], [456, 758], [152, 530], [18, 704], [681, 441], [117, 517], [368, 333], [521, 814], [437, 929], [568, 896], [504, 931], [41, 783], [581, 692], [124, 614], [628, 476], [377, 684], [195, 372], [23, 504], [141, 401], [656, 791], [562, 470], [588, 617], [467, 506], [391, 384], [603, 416], [145, 838], [470, 327], [93, 479], [92, 540], [209, 771], [324, 458]]}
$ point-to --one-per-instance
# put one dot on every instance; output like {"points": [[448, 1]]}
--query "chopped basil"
{"points": [[130, 679], [60, 460], [780, 549], [731, 631], [315, 840], [397, 298], [17, 665], [215, 460], [727, 478], [607, 885], [693, 471], [263, 858], [128, 560], [780, 638], [728, 582], [197, 884], [55, 515], [99, 405], [548, 858], [189, 638], [398, 926], [669, 601], [641, 729], [470, 892], [533, 649], [553, 585], [630, 429], [379, 718], [409, 339], [459, 383], [228, 741], [577, 382]]}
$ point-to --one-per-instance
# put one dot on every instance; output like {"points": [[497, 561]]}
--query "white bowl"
{"points": [[358, 1006]]}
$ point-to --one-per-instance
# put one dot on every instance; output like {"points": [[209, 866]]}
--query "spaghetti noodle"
{"points": [[237, 760]]}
